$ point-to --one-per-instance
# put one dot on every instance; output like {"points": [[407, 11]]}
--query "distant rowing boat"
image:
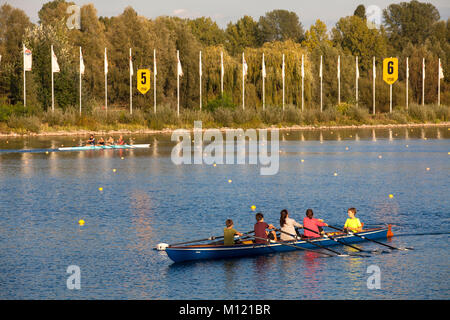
{"points": [[125, 146], [218, 251]]}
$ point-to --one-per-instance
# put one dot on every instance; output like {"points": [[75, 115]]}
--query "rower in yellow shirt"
{"points": [[352, 224]]}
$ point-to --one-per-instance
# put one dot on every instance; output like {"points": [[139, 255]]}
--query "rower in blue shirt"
{"points": [[91, 140]]}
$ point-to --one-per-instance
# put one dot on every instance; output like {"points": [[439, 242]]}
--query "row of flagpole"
{"points": [[27, 66]]}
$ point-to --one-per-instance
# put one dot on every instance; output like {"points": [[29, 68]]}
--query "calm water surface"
{"points": [[149, 200]]}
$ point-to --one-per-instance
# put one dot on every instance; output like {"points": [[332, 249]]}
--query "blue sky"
{"points": [[329, 11]]}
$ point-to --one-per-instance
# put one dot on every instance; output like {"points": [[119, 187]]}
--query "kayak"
{"points": [[248, 248], [125, 146]]}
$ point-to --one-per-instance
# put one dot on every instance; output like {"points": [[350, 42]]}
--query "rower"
{"points": [[352, 224], [288, 226], [91, 140], [313, 224], [120, 142], [229, 232], [101, 141], [110, 141], [260, 229]]}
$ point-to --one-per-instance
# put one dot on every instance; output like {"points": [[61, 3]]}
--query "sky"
{"points": [[223, 12]]}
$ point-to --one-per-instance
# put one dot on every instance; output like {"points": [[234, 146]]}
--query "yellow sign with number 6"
{"points": [[390, 70], [143, 80]]}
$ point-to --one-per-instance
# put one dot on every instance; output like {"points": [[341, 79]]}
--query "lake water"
{"points": [[149, 200]]}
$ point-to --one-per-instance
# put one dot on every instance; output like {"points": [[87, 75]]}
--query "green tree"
{"points": [[360, 12], [207, 31], [242, 34], [280, 25], [316, 35], [410, 22]]}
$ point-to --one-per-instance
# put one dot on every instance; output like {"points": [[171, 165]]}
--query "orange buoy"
{"points": [[390, 234]]}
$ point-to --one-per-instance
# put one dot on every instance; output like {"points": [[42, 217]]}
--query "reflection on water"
{"points": [[149, 200]]}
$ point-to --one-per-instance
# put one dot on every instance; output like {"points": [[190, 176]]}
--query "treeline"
{"points": [[410, 29]]}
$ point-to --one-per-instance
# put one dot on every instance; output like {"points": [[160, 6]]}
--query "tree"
{"points": [[242, 34], [207, 31], [316, 35], [280, 25], [360, 12], [410, 22], [355, 38]]}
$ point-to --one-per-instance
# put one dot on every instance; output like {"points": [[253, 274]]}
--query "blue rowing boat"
{"points": [[124, 146], [219, 251]]}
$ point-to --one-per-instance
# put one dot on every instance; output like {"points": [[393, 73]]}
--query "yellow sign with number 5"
{"points": [[390, 70], [143, 80]]}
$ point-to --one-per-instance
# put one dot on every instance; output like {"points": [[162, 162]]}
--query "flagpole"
{"points": [[200, 71], [106, 85], [339, 80], [53, 93], [439, 82], [407, 80], [24, 79], [423, 81], [283, 81], [321, 75], [131, 87], [390, 98], [357, 76], [374, 71], [80, 81], [263, 84], [221, 72], [303, 83], [243, 83], [178, 84], [154, 80]]}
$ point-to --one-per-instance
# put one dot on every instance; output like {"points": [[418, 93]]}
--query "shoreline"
{"points": [[223, 129]]}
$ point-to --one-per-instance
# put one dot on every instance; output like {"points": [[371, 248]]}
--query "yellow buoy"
{"points": [[214, 165], [391, 196], [81, 222], [122, 158], [100, 189], [407, 146], [46, 152], [114, 170], [230, 181], [428, 169], [253, 208], [303, 160], [335, 174]]}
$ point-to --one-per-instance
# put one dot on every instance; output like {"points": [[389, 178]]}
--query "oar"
{"points": [[201, 240], [315, 244], [293, 246], [336, 240], [363, 237]]}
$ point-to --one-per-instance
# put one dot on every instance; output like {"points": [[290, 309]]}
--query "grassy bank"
{"points": [[21, 120]]}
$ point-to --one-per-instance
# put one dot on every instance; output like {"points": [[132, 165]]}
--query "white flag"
{"points": [[131, 65], [407, 69], [282, 69], [441, 71], [155, 70], [55, 66], [27, 59], [222, 69], [339, 66], [106, 63], [423, 68], [200, 64], [179, 69], [81, 63], [263, 67], [244, 67], [320, 70], [374, 69], [303, 68], [357, 69]]}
